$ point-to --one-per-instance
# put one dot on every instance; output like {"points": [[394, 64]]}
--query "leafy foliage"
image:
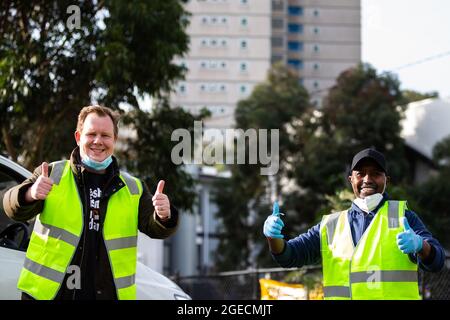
{"points": [[277, 103], [431, 198], [411, 95], [49, 71], [150, 153], [120, 51]]}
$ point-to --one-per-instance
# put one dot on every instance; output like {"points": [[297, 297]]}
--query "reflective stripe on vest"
{"points": [[57, 232], [376, 268], [336, 291]]}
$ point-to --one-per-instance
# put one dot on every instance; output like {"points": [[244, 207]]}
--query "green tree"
{"points": [[150, 153], [361, 110], [50, 68], [431, 198], [411, 95], [278, 103]]}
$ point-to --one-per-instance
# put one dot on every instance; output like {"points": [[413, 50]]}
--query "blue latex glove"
{"points": [[273, 224], [408, 241]]}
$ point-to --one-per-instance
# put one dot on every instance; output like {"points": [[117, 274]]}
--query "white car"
{"points": [[14, 238]]}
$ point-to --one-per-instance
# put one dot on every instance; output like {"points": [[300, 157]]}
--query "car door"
{"points": [[11, 255]]}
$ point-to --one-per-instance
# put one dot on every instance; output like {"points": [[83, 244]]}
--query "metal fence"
{"points": [[436, 286], [244, 285]]}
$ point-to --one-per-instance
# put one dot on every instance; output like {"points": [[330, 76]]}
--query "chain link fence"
{"points": [[436, 286], [244, 285]]}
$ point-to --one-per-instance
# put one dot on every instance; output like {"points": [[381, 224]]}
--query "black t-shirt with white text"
{"points": [[88, 268]]}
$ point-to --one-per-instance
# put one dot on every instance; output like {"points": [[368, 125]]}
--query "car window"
{"points": [[6, 182], [12, 237]]}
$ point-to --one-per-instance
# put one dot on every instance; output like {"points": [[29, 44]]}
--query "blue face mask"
{"points": [[95, 165]]}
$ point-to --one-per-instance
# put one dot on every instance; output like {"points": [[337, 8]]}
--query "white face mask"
{"points": [[369, 203]]}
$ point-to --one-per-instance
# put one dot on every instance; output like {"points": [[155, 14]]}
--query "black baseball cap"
{"points": [[370, 153]]}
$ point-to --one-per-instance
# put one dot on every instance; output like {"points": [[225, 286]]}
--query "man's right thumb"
{"points": [[276, 209], [406, 224], [44, 168]]}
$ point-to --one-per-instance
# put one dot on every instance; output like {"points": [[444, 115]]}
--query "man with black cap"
{"points": [[370, 251]]}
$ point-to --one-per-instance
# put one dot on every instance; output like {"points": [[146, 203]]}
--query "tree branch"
{"points": [[8, 143]]}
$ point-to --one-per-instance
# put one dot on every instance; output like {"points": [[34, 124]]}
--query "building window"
{"points": [[301, 81], [295, 28], [224, 43], [316, 48], [316, 66], [243, 66], [182, 88], [295, 10], [213, 64], [277, 23], [277, 5], [243, 44], [316, 85], [295, 46], [316, 30], [295, 63], [276, 59], [244, 2], [316, 13], [244, 22], [243, 89], [277, 42]]}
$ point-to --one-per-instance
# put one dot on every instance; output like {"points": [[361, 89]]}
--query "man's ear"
{"points": [[388, 179], [77, 137]]}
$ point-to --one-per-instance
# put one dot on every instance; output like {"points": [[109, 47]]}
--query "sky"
{"points": [[411, 38]]}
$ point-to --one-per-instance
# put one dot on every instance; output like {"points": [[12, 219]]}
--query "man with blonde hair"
{"points": [[88, 213]]}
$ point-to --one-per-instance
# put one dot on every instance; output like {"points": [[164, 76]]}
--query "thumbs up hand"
{"points": [[274, 224], [161, 202], [41, 187], [408, 241]]}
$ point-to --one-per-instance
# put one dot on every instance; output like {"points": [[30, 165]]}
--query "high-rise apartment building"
{"points": [[318, 39], [230, 52], [234, 43]]}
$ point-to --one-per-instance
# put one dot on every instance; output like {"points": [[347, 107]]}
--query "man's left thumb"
{"points": [[160, 187]]}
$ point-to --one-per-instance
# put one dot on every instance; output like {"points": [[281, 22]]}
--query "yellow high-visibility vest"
{"points": [[375, 268], [57, 232]]}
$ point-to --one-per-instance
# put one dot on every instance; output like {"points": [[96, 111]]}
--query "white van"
{"points": [[14, 237]]}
